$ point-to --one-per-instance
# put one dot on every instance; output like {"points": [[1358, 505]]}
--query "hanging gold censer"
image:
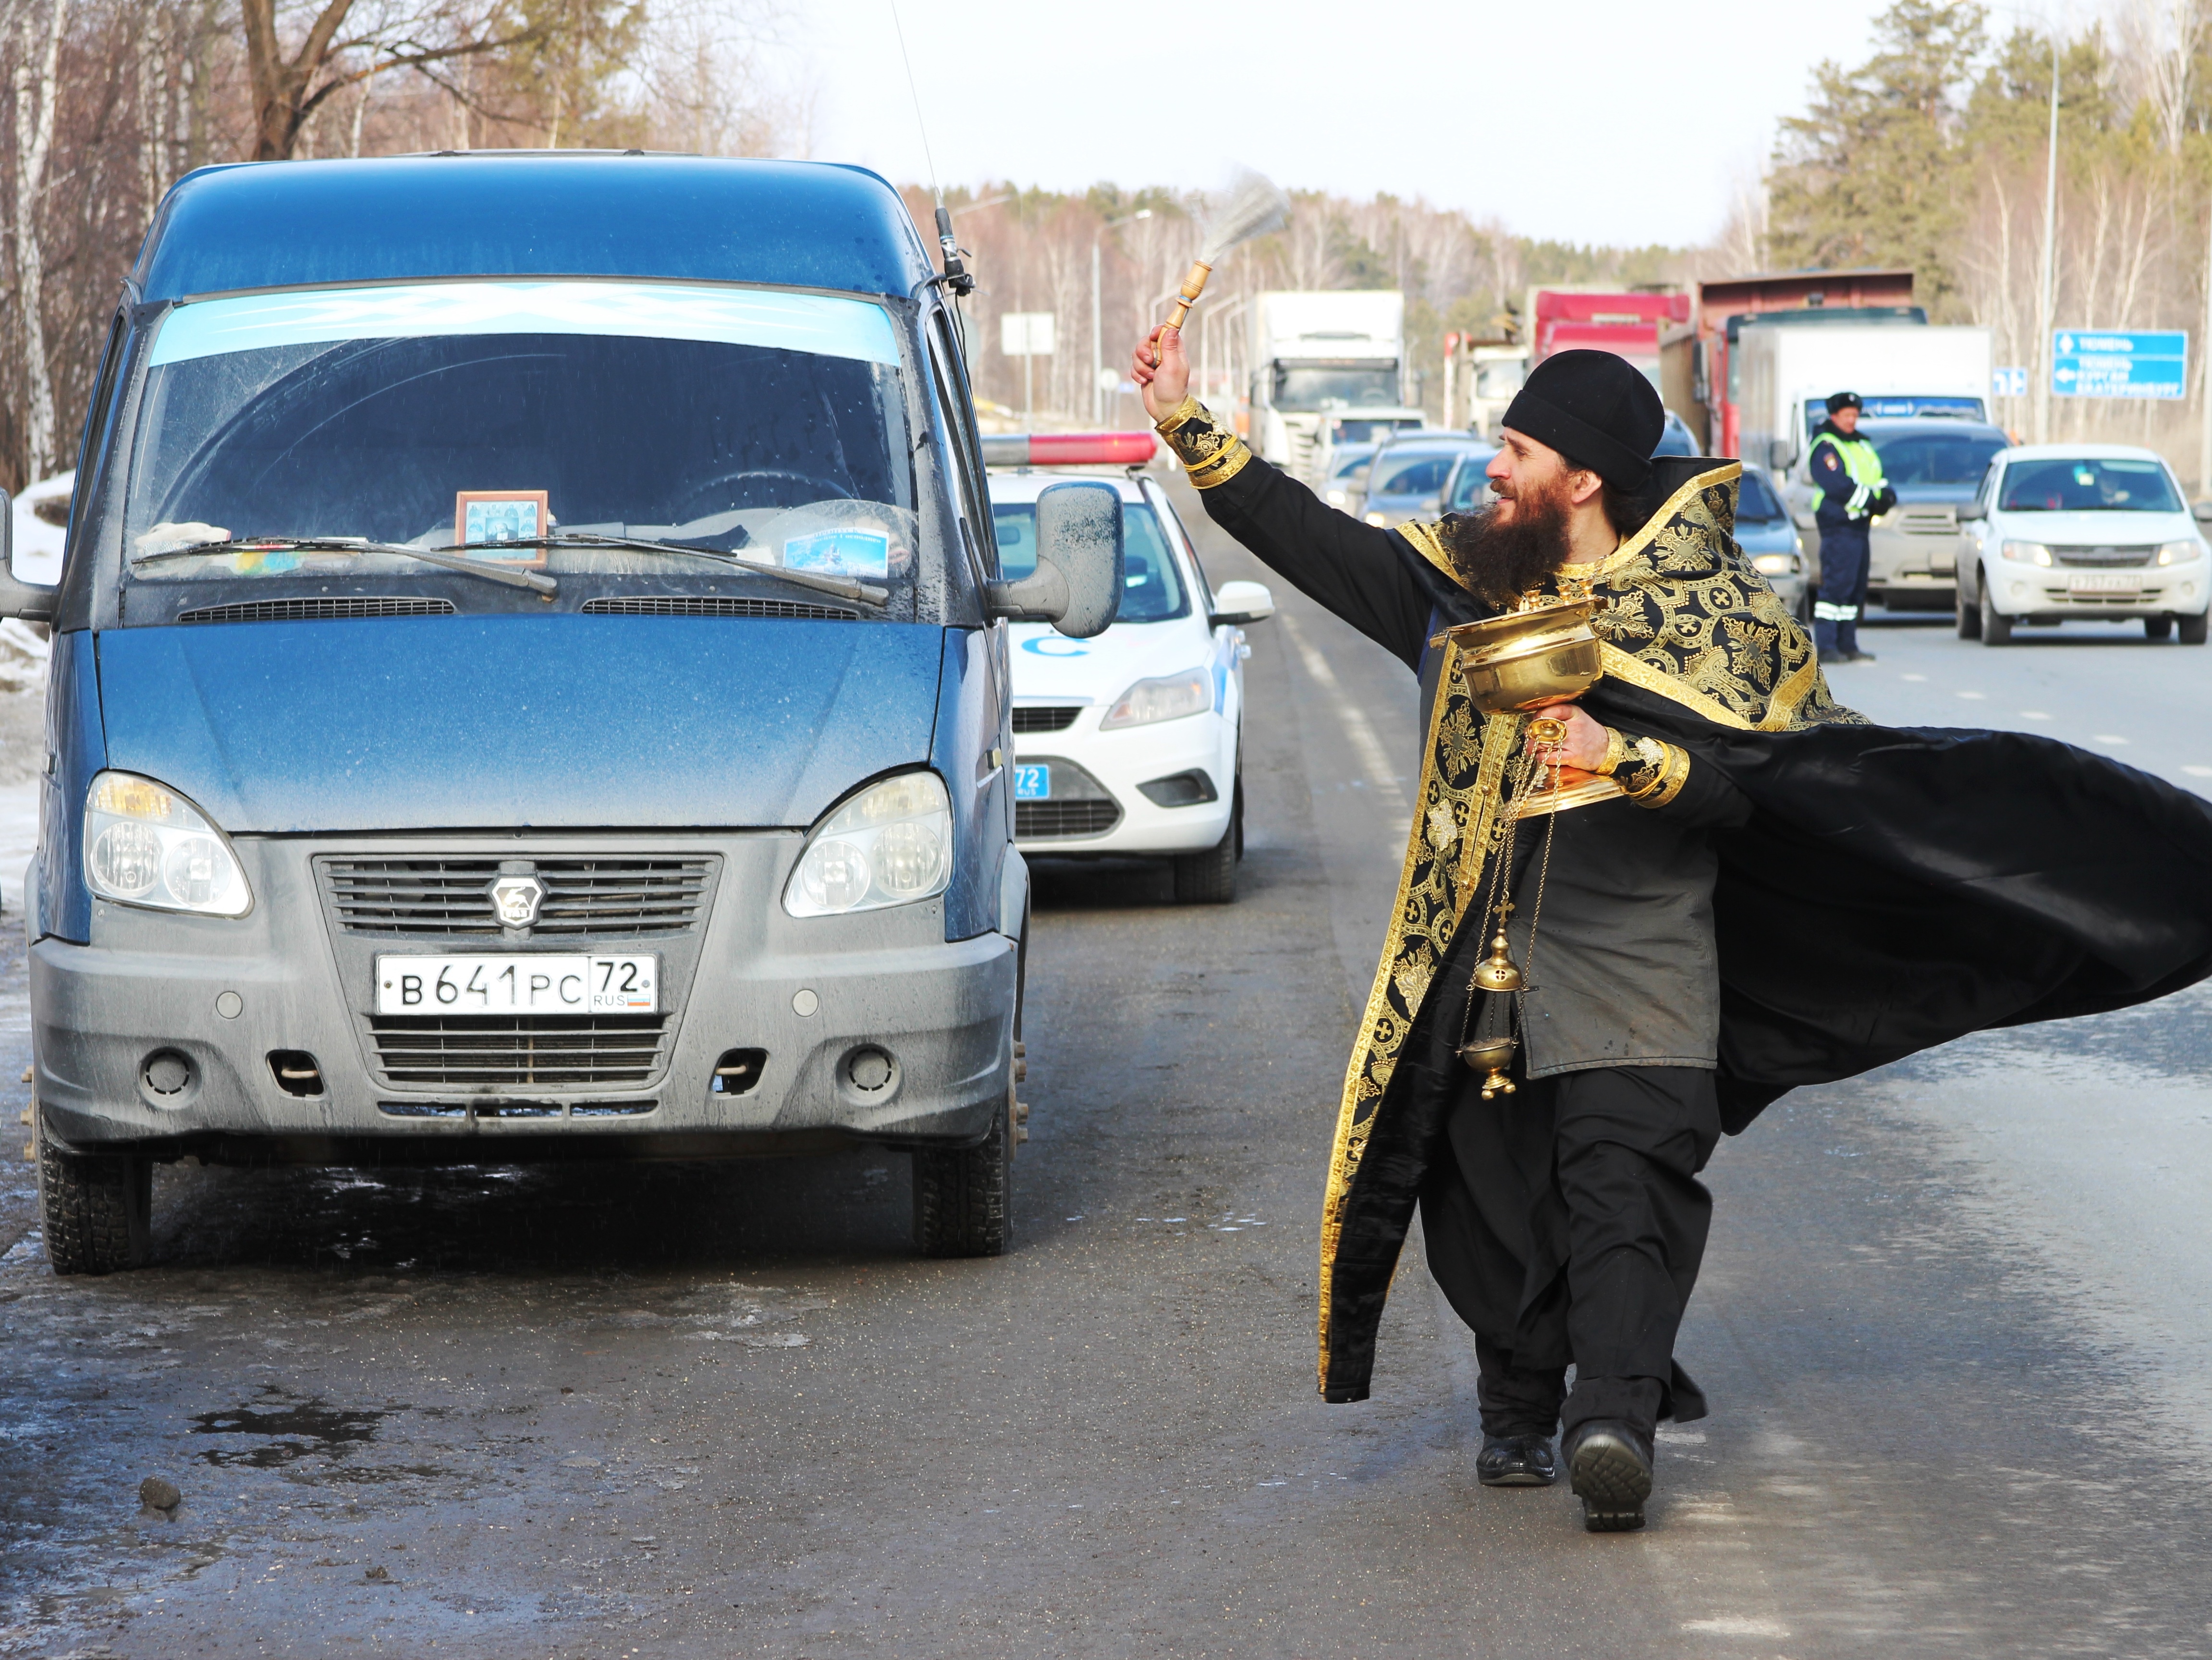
{"points": [[1492, 1054]]}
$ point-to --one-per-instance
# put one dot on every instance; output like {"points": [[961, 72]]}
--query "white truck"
{"points": [[1328, 368], [1785, 364], [1926, 394]]}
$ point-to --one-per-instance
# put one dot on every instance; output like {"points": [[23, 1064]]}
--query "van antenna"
{"points": [[956, 276]]}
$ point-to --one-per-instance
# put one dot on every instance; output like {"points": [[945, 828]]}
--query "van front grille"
{"points": [[558, 1051], [716, 605], [313, 609], [604, 898]]}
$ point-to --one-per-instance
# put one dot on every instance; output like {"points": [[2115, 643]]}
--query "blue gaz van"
{"points": [[529, 681]]}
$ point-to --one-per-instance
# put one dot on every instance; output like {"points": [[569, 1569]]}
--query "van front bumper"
{"points": [[164, 1034]]}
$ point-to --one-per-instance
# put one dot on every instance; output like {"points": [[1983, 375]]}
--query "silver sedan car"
{"points": [[1407, 476]]}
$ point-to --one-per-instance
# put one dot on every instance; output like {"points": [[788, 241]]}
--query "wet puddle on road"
{"points": [[285, 1432]]}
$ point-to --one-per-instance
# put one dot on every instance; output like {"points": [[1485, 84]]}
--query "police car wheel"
{"points": [[963, 1197], [1208, 878], [2194, 629], [94, 1208], [1970, 617]]}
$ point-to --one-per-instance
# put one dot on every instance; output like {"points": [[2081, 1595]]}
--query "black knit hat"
{"points": [[1844, 401], [1596, 409]]}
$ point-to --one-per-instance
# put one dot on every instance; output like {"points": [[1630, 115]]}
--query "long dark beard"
{"points": [[1500, 560]]}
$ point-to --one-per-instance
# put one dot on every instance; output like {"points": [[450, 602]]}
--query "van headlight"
{"points": [[2181, 552], [1775, 564], [2027, 553], [144, 844], [1170, 697], [890, 845]]}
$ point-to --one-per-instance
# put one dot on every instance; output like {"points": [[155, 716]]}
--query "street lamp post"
{"points": [[1098, 330]]}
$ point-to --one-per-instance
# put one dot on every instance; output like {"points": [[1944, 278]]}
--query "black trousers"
{"points": [[1565, 1224]]}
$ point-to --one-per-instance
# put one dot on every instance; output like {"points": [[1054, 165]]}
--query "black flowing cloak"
{"points": [[1893, 890]]}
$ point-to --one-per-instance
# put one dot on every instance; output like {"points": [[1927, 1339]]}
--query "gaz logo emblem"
{"points": [[516, 900]]}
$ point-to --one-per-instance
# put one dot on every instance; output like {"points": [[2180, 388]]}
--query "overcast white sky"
{"points": [[1588, 120]]}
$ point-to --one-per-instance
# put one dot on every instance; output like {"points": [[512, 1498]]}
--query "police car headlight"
{"points": [[2027, 553], [1170, 697], [1775, 564], [890, 845], [144, 844], [2181, 552]]}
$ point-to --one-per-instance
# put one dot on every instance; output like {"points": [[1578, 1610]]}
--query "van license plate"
{"points": [[1032, 783], [518, 983], [2102, 583]]}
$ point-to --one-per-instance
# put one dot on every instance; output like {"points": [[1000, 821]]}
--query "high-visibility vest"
{"points": [[1863, 463]]}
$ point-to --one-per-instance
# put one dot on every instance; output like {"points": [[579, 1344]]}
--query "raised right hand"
{"points": [[1166, 385]]}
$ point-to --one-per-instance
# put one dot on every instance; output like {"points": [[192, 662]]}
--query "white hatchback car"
{"points": [[2061, 531], [1130, 743]]}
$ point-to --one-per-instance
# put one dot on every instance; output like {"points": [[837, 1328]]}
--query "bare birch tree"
{"points": [[37, 91]]}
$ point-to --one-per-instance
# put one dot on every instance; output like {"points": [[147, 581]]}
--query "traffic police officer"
{"points": [[1848, 492]]}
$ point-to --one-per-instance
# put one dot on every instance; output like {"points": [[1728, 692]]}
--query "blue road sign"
{"points": [[2102, 363], [2008, 383]]}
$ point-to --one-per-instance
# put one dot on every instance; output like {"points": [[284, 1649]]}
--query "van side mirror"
{"points": [[34, 602], [1077, 586], [1241, 602], [2201, 511], [1779, 455]]}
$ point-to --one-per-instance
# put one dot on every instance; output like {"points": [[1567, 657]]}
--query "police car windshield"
{"points": [[2092, 484], [1934, 458], [1151, 587], [1755, 502], [602, 415]]}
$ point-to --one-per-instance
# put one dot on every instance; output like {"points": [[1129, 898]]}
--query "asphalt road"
{"points": [[1954, 1324]]}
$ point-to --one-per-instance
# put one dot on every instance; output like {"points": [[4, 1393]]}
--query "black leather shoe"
{"points": [[1609, 1466], [1830, 654], [1517, 1461], [1862, 657]]}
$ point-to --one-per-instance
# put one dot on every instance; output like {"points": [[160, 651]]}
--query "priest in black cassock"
{"points": [[1755, 889]]}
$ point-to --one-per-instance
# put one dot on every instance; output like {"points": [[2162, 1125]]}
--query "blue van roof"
{"points": [[279, 224]]}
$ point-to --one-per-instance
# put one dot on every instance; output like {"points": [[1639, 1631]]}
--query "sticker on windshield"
{"points": [[484, 521], [840, 553]]}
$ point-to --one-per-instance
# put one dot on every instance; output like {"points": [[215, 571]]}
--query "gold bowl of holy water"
{"points": [[1526, 659]]}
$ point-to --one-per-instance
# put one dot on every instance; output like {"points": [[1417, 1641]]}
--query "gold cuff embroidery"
{"points": [[1211, 454], [1661, 778], [1180, 415], [1616, 752]]}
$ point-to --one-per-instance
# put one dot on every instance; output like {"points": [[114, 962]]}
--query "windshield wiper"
{"points": [[448, 558], [844, 587]]}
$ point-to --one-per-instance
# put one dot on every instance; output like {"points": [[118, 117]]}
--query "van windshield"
{"points": [[766, 426]]}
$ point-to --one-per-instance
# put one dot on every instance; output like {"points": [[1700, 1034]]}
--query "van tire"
{"points": [[1969, 615], [1997, 627], [963, 1197], [95, 1208], [2193, 630]]}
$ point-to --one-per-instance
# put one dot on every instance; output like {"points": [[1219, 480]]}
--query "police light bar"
{"points": [[1069, 449]]}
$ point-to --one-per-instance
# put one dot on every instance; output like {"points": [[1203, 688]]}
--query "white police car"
{"points": [[1129, 743]]}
